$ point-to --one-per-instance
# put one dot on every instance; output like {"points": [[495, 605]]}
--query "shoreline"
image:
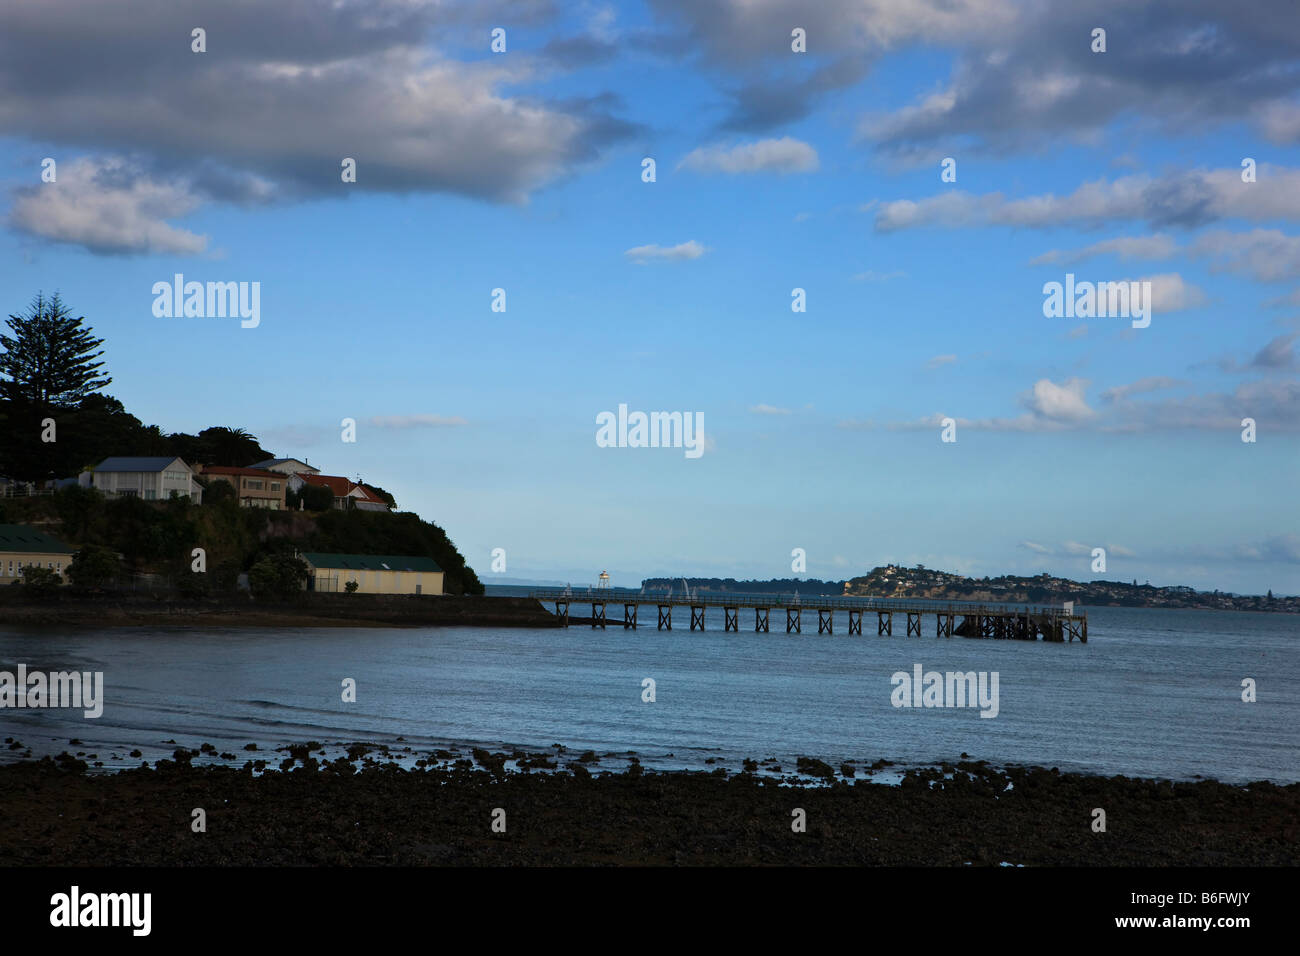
{"points": [[562, 809], [316, 610]]}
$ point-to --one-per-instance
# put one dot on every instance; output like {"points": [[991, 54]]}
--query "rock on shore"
{"points": [[332, 813]]}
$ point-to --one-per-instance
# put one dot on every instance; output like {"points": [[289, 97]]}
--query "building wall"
{"points": [[12, 561], [151, 486], [270, 495], [379, 582]]}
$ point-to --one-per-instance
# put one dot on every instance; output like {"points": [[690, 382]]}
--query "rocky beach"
{"points": [[561, 808]]}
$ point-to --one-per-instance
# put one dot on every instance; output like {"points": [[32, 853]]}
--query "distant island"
{"points": [[896, 581]]}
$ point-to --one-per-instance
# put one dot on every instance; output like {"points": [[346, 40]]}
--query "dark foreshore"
{"points": [[358, 810], [310, 610]]}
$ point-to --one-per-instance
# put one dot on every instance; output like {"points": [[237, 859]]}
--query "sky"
{"points": [[920, 169]]}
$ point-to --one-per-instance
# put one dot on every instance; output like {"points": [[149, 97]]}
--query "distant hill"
{"points": [[926, 583], [921, 582]]}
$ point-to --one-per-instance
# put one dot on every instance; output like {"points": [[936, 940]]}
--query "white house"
{"points": [[287, 466], [153, 479]]}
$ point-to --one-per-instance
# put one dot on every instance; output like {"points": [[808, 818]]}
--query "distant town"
{"points": [[920, 582]]}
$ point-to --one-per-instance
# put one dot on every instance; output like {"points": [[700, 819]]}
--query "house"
{"points": [[286, 466], [254, 487], [153, 479], [373, 573], [347, 493], [22, 546]]}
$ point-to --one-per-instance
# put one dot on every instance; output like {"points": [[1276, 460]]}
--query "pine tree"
{"points": [[49, 361]]}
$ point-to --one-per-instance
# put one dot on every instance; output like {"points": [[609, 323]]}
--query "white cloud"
{"points": [[768, 410], [1149, 384], [1058, 403], [1265, 254], [784, 155], [416, 421], [1187, 200], [109, 205], [1170, 293], [1125, 247], [678, 253]]}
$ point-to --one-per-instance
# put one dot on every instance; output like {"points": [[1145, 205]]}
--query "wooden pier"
{"points": [[1024, 622]]}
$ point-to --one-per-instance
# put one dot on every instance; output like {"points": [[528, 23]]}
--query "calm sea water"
{"points": [[1153, 693]]}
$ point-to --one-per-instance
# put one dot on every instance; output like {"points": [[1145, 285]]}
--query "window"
{"points": [[275, 486], [150, 494], [253, 484]]}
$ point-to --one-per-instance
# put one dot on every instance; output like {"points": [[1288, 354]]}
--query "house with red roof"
{"points": [[254, 487], [348, 494]]}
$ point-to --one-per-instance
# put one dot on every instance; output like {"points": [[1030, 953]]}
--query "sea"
{"points": [[1154, 693]]}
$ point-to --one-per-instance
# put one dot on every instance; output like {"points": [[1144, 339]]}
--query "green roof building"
{"points": [[373, 573], [22, 546]]}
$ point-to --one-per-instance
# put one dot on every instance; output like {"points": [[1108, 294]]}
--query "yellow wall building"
{"points": [[21, 546], [374, 573]]}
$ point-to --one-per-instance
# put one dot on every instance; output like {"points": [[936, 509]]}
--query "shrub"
{"points": [[316, 498], [94, 566], [41, 581], [350, 587], [277, 576], [192, 584], [218, 491]]}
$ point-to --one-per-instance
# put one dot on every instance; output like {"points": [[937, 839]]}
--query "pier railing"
{"points": [[808, 602]]}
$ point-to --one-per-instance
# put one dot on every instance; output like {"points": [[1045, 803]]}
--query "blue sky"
{"points": [[775, 170]]}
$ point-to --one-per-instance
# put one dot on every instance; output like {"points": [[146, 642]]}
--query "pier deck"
{"points": [[1026, 622]]}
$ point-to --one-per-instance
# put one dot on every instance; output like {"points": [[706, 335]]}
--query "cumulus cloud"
{"points": [[1049, 407], [1282, 548], [286, 90], [1126, 247], [1185, 200], [1076, 549], [784, 155], [1277, 355], [1264, 254], [1058, 403], [1142, 385], [111, 206], [1170, 292], [1052, 406], [655, 253], [1038, 81]]}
